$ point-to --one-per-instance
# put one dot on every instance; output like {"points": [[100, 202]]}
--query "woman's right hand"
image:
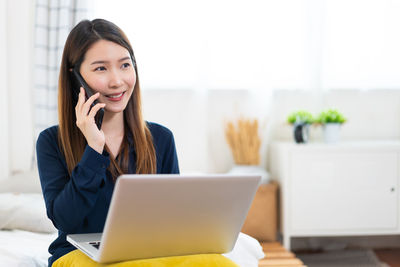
{"points": [[86, 122]]}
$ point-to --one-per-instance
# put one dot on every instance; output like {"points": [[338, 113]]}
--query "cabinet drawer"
{"points": [[343, 191]]}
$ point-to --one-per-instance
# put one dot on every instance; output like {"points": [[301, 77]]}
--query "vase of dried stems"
{"points": [[245, 142]]}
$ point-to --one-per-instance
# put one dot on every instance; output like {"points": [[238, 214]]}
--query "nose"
{"points": [[115, 79]]}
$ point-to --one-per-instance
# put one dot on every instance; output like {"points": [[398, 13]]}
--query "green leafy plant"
{"points": [[331, 116], [300, 116]]}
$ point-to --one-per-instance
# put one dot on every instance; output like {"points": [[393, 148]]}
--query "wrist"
{"points": [[97, 147]]}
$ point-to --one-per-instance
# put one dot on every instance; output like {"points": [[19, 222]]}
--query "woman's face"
{"points": [[108, 69]]}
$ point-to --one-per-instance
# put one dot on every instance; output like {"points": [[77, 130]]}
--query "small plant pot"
{"points": [[332, 132], [301, 132]]}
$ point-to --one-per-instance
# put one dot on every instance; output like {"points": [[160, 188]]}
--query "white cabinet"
{"points": [[337, 189]]}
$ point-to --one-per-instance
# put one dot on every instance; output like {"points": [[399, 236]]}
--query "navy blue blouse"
{"points": [[79, 203]]}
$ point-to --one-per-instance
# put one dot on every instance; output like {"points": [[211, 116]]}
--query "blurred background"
{"points": [[203, 63]]}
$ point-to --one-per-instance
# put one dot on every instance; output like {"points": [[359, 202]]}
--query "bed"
{"points": [[26, 232]]}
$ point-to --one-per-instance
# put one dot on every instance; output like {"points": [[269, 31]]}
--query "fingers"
{"points": [[86, 106], [83, 108], [81, 100], [96, 108]]}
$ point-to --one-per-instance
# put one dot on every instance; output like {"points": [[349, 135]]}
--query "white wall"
{"points": [[371, 114], [198, 119], [4, 162], [19, 50]]}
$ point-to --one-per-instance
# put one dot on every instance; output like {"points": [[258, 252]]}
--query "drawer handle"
{"points": [[392, 189]]}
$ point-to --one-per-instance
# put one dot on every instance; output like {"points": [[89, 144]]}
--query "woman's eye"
{"points": [[100, 68], [125, 65]]}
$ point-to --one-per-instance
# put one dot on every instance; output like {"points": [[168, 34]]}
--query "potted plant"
{"points": [[301, 121], [331, 120]]}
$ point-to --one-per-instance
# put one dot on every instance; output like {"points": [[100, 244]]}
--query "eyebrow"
{"points": [[105, 61]]}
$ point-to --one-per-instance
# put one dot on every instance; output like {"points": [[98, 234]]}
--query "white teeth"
{"points": [[116, 96]]}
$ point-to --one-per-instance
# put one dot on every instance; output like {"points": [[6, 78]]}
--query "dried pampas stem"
{"points": [[244, 141]]}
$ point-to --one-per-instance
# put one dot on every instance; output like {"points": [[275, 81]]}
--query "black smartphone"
{"points": [[89, 92]]}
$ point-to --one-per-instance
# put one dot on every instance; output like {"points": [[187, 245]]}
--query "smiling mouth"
{"points": [[114, 96]]}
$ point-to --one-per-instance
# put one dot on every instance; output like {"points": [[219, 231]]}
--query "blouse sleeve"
{"points": [[69, 199], [170, 159]]}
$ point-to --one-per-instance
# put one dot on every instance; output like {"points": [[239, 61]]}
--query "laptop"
{"points": [[170, 215]]}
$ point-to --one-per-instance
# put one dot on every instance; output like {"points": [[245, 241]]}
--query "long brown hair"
{"points": [[71, 140]]}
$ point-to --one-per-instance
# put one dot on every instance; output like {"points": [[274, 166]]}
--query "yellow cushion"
{"points": [[77, 258]]}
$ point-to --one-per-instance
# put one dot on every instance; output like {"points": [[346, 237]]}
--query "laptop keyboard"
{"points": [[95, 244]]}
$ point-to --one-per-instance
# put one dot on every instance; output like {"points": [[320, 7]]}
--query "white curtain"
{"points": [[361, 43], [4, 158], [53, 22], [262, 44]]}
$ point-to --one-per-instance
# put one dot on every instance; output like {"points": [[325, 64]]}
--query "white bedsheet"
{"points": [[24, 249], [27, 249]]}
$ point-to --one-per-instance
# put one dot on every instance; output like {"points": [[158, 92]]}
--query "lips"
{"points": [[115, 97]]}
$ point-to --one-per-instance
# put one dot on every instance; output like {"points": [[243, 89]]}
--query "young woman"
{"points": [[78, 162]]}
